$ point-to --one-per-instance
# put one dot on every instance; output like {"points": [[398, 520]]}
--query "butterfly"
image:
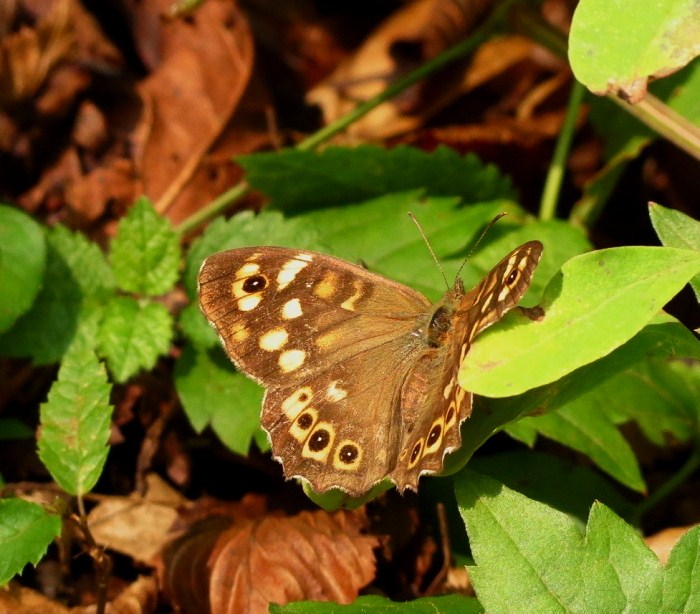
{"points": [[360, 370]]}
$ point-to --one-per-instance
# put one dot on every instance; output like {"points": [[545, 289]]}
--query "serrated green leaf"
{"points": [[621, 44], [22, 262], [26, 530], [368, 604], [676, 229], [682, 580], [298, 180], [77, 281], [532, 558], [133, 336], [145, 254], [75, 421], [213, 393], [599, 301]]}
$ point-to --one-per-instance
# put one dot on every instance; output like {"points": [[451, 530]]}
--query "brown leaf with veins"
{"points": [[273, 559], [190, 97]]}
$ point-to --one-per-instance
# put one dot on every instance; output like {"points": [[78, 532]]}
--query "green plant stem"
{"points": [[555, 175], [678, 478], [461, 49]]}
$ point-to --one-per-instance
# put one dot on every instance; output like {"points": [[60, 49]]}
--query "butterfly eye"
{"points": [[256, 283]]}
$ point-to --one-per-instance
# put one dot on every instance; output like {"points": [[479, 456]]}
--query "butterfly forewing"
{"points": [[361, 371]]}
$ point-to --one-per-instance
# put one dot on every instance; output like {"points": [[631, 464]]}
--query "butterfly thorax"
{"points": [[442, 318]]}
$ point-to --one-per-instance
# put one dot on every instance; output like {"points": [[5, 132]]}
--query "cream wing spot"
{"points": [[448, 389], [274, 339], [304, 256], [290, 270], [248, 269], [349, 304], [248, 303], [292, 309], [335, 393], [328, 286], [297, 402], [319, 443], [326, 340], [238, 332], [291, 360]]}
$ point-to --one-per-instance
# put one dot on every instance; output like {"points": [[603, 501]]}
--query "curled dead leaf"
{"points": [[274, 559]]}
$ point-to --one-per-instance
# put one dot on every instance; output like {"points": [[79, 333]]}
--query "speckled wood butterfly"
{"points": [[361, 371]]}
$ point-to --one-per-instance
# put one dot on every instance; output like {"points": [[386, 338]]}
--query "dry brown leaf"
{"points": [[662, 543], [137, 526], [270, 559], [17, 599], [314, 555], [190, 97], [140, 597], [375, 65]]}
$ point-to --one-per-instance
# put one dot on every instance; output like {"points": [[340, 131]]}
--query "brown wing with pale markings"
{"points": [[332, 342]]}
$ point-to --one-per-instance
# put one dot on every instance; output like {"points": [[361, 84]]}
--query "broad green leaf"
{"points": [[599, 301], [213, 393], [75, 421], [145, 254], [548, 479], [682, 580], [22, 262], [26, 530], [583, 425], [296, 180], [133, 336], [622, 44], [368, 604], [77, 281], [676, 229], [532, 558]]}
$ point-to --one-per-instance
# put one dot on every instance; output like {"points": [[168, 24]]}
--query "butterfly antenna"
{"points": [[481, 236], [430, 247]]}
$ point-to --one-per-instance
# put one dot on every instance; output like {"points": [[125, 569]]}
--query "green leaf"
{"points": [[133, 336], [26, 530], [145, 254], [12, 428], [599, 301], [302, 180], [681, 580], [76, 283], [75, 421], [654, 379], [22, 262], [584, 426], [532, 558], [374, 603], [213, 393], [621, 44], [676, 229], [548, 479]]}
